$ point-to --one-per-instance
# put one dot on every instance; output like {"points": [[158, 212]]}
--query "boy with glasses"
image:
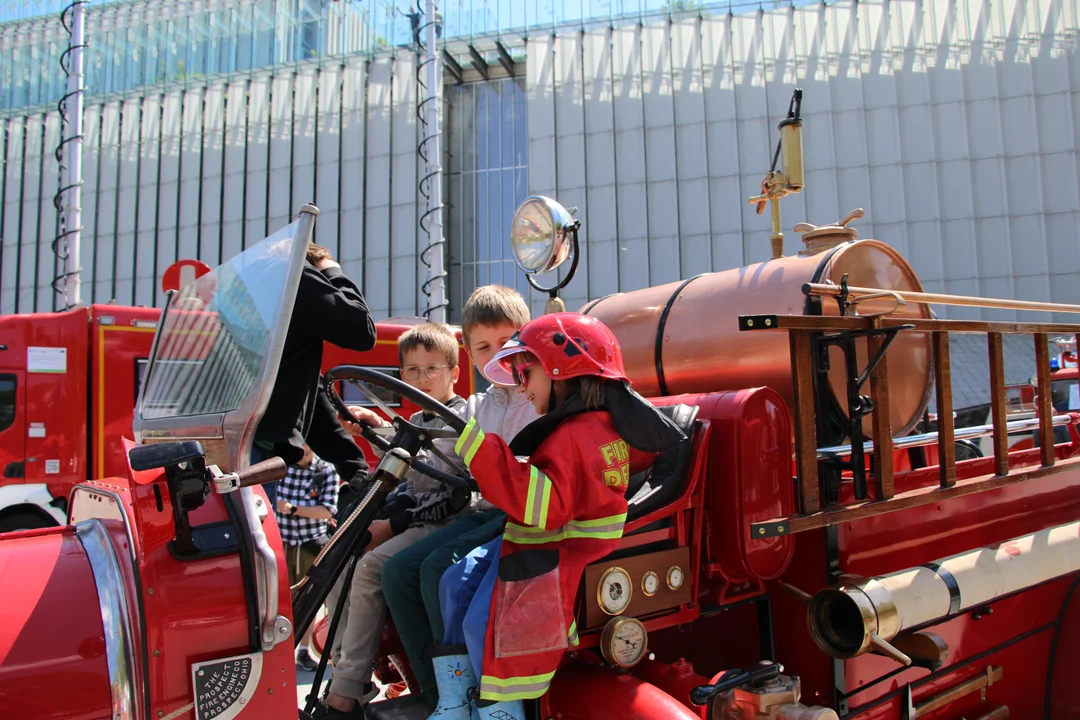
{"points": [[420, 505]]}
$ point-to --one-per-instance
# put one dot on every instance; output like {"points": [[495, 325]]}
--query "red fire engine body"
{"points": [[68, 384], [792, 560]]}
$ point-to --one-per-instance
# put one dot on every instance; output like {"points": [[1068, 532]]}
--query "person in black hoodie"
{"points": [[329, 308]]}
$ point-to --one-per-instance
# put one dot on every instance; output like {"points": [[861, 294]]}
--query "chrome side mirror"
{"points": [[542, 235]]}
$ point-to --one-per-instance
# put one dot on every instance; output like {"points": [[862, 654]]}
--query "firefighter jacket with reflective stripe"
{"points": [[566, 508]]}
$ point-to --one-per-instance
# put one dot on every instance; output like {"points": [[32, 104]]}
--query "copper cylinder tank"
{"points": [[683, 337]]}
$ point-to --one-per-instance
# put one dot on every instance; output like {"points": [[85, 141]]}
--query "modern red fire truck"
{"points": [[68, 384], [781, 563]]}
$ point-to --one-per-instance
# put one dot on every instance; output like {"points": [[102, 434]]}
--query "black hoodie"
{"points": [[329, 307]]}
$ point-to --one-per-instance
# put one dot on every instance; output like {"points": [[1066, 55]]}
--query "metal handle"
{"points": [[266, 471], [273, 629]]}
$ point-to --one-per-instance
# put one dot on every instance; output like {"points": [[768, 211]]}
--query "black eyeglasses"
{"points": [[412, 372]]}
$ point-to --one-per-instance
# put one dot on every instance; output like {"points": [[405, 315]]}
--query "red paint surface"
{"points": [[1064, 701], [52, 646], [587, 692]]}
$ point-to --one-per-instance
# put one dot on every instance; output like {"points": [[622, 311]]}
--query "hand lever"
{"points": [[702, 694], [259, 473]]}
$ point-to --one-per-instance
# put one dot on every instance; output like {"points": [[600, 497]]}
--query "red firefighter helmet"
{"points": [[567, 345]]}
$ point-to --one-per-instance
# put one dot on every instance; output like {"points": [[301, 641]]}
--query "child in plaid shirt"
{"points": [[306, 501]]}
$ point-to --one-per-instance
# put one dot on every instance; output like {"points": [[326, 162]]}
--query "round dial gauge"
{"points": [[614, 591], [650, 583], [675, 577], [624, 641]]}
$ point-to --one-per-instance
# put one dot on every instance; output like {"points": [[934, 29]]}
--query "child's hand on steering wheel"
{"points": [[364, 416]]}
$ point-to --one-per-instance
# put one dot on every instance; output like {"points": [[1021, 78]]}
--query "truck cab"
{"points": [[68, 381]]}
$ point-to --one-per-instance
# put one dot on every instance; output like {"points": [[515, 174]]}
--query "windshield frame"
{"points": [[227, 436]]}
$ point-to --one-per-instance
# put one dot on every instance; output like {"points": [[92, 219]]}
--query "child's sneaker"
{"points": [[305, 661]]}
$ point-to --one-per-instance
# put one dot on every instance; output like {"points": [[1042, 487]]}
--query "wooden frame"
{"points": [[803, 328]]}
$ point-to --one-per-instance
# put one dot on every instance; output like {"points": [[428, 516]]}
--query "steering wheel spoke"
{"points": [[442, 434], [362, 387], [387, 431]]}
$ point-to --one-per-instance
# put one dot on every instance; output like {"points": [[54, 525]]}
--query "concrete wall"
{"points": [[953, 124]]}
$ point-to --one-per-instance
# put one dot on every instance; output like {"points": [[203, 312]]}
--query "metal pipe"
{"points": [[849, 619], [930, 438], [430, 184], [68, 200], [831, 290]]}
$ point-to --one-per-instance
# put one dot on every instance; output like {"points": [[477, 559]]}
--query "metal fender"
{"points": [[598, 693], [36, 494]]}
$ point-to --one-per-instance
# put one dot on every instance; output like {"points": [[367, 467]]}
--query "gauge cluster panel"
{"points": [[636, 586]]}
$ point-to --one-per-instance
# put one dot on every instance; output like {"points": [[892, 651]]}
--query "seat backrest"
{"points": [[662, 483]]}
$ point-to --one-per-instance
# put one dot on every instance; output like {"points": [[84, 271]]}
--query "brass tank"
{"points": [[683, 337]]}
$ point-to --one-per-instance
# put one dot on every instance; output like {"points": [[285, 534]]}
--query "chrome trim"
{"points": [[271, 630], [140, 656], [930, 438], [116, 617]]}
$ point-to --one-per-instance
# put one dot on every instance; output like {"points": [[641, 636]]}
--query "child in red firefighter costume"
{"points": [[566, 508]]}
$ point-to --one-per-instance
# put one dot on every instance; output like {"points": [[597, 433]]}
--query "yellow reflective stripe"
{"points": [[609, 520], [544, 502], [469, 442], [605, 528], [465, 434], [573, 633], [471, 453], [530, 495], [515, 688], [538, 498]]}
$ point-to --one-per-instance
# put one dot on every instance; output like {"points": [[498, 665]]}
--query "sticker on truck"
{"points": [[46, 360]]}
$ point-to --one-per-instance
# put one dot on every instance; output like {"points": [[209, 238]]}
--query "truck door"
{"points": [[12, 426], [121, 340]]}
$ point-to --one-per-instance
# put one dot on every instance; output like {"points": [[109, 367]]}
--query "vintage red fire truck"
{"points": [[68, 384], [783, 562]]}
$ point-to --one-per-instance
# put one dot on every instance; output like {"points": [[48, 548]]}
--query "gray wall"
{"points": [[953, 124], [205, 170]]}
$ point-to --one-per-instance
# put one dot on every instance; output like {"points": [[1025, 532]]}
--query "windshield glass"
{"points": [[217, 333]]}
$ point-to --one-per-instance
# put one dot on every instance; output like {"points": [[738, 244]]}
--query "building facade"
{"points": [[208, 123]]}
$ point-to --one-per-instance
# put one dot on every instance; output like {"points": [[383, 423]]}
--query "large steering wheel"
{"points": [[382, 438]]}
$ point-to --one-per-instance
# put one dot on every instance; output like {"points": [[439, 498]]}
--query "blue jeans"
{"points": [[465, 595], [410, 581]]}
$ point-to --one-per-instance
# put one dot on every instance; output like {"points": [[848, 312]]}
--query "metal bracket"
{"points": [[890, 335]]}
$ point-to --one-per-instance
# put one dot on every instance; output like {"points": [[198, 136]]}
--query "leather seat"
{"points": [[665, 481]]}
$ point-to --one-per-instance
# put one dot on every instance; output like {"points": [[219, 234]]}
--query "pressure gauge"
{"points": [[624, 641], [614, 591], [650, 583], [675, 577]]}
